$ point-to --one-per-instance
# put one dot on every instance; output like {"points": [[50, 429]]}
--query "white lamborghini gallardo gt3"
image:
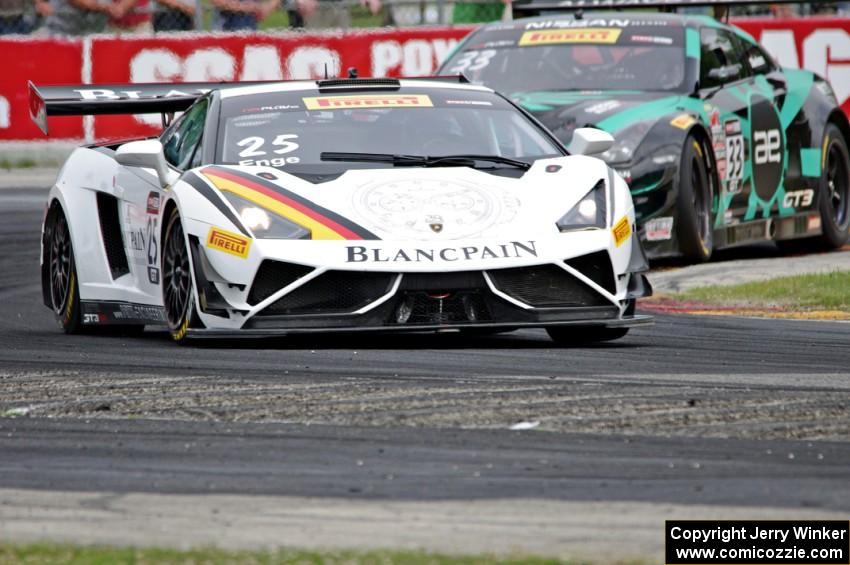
{"points": [[336, 205]]}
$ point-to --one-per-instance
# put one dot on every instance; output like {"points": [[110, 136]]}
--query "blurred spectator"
{"points": [[784, 10], [323, 14], [174, 15], [296, 19], [479, 12], [16, 16], [130, 16], [235, 15], [78, 17], [843, 8], [429, 12]]}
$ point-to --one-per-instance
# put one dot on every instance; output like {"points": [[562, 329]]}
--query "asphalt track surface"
{"points": [[742, 416]]}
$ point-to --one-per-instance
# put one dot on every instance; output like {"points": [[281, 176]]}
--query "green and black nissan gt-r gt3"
{"points": [[719, 145]]}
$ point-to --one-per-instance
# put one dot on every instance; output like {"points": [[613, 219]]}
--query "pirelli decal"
{"points": [[557, 36], [622, 231], [368, 101], [228, 242], [322, 223]]}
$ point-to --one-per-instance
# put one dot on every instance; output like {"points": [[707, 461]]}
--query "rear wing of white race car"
{"points": [[94, 99], [160, 98]]}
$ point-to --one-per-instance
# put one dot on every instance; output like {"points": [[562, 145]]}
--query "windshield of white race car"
{"points": [[293, 129], [510, 60]]}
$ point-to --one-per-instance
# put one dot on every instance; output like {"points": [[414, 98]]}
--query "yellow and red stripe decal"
{"points": [[322, 223]]}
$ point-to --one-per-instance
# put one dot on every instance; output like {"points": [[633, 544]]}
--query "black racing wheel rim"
{"points": [[60, 264], [701, 199], [176, 279], [837, 184]]}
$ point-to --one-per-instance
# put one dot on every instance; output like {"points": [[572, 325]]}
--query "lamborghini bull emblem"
{"points": [[435, 223]]}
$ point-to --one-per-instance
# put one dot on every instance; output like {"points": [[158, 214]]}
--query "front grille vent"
{"points": [[273, 276], [419, 307], [333, 292], [546, 286], [596, 267]]}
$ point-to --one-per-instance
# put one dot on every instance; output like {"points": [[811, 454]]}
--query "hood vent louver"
{"points": [[355, 83]]}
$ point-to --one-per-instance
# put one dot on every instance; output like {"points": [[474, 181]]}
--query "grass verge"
{"points": [[822, 297], [68, 554], [24, 163], [830, 291]]}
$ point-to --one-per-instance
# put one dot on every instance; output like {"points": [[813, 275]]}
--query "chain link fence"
{"points": [[327, 14], [155, 16]]}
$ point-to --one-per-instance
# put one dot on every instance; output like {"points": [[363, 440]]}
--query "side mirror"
{"points": [[590, 141], [724, 73], [147, 154]]}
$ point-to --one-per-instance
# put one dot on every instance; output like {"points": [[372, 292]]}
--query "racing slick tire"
{"points": [[64, 292], [695, 228], [178, 288], [835, 190], [578, 335]]}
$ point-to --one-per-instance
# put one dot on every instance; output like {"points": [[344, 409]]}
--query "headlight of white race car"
{"points": [[590, 212], [265, 224]]}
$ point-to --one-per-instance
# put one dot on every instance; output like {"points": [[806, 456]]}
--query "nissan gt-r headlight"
{"points": [[265, 224], [626, 143], [590, 212]]}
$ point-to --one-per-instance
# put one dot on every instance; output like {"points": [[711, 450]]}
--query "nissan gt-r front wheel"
{"points": [[64, 291], [178, 292], [694, 203], [835, 190]]}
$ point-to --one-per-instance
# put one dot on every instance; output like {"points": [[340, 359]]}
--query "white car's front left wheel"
{"points": [[178, 292]]}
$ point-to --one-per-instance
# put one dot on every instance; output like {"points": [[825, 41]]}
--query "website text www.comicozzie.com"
{"points": [[697, 542]]}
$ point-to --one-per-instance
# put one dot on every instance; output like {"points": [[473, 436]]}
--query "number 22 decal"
{"points": [[767, 146], [254, 144]]}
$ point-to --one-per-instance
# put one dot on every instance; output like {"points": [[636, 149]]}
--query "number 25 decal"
{"points": [[253, 145], [767, 146]]}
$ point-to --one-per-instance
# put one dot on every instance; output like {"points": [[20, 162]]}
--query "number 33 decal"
{"points": [[473, 61], [254, 144]]}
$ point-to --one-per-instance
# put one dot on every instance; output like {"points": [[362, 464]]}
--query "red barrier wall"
{"points": [[41, 61], [818, 44], [821, 45], [201, 57]]}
